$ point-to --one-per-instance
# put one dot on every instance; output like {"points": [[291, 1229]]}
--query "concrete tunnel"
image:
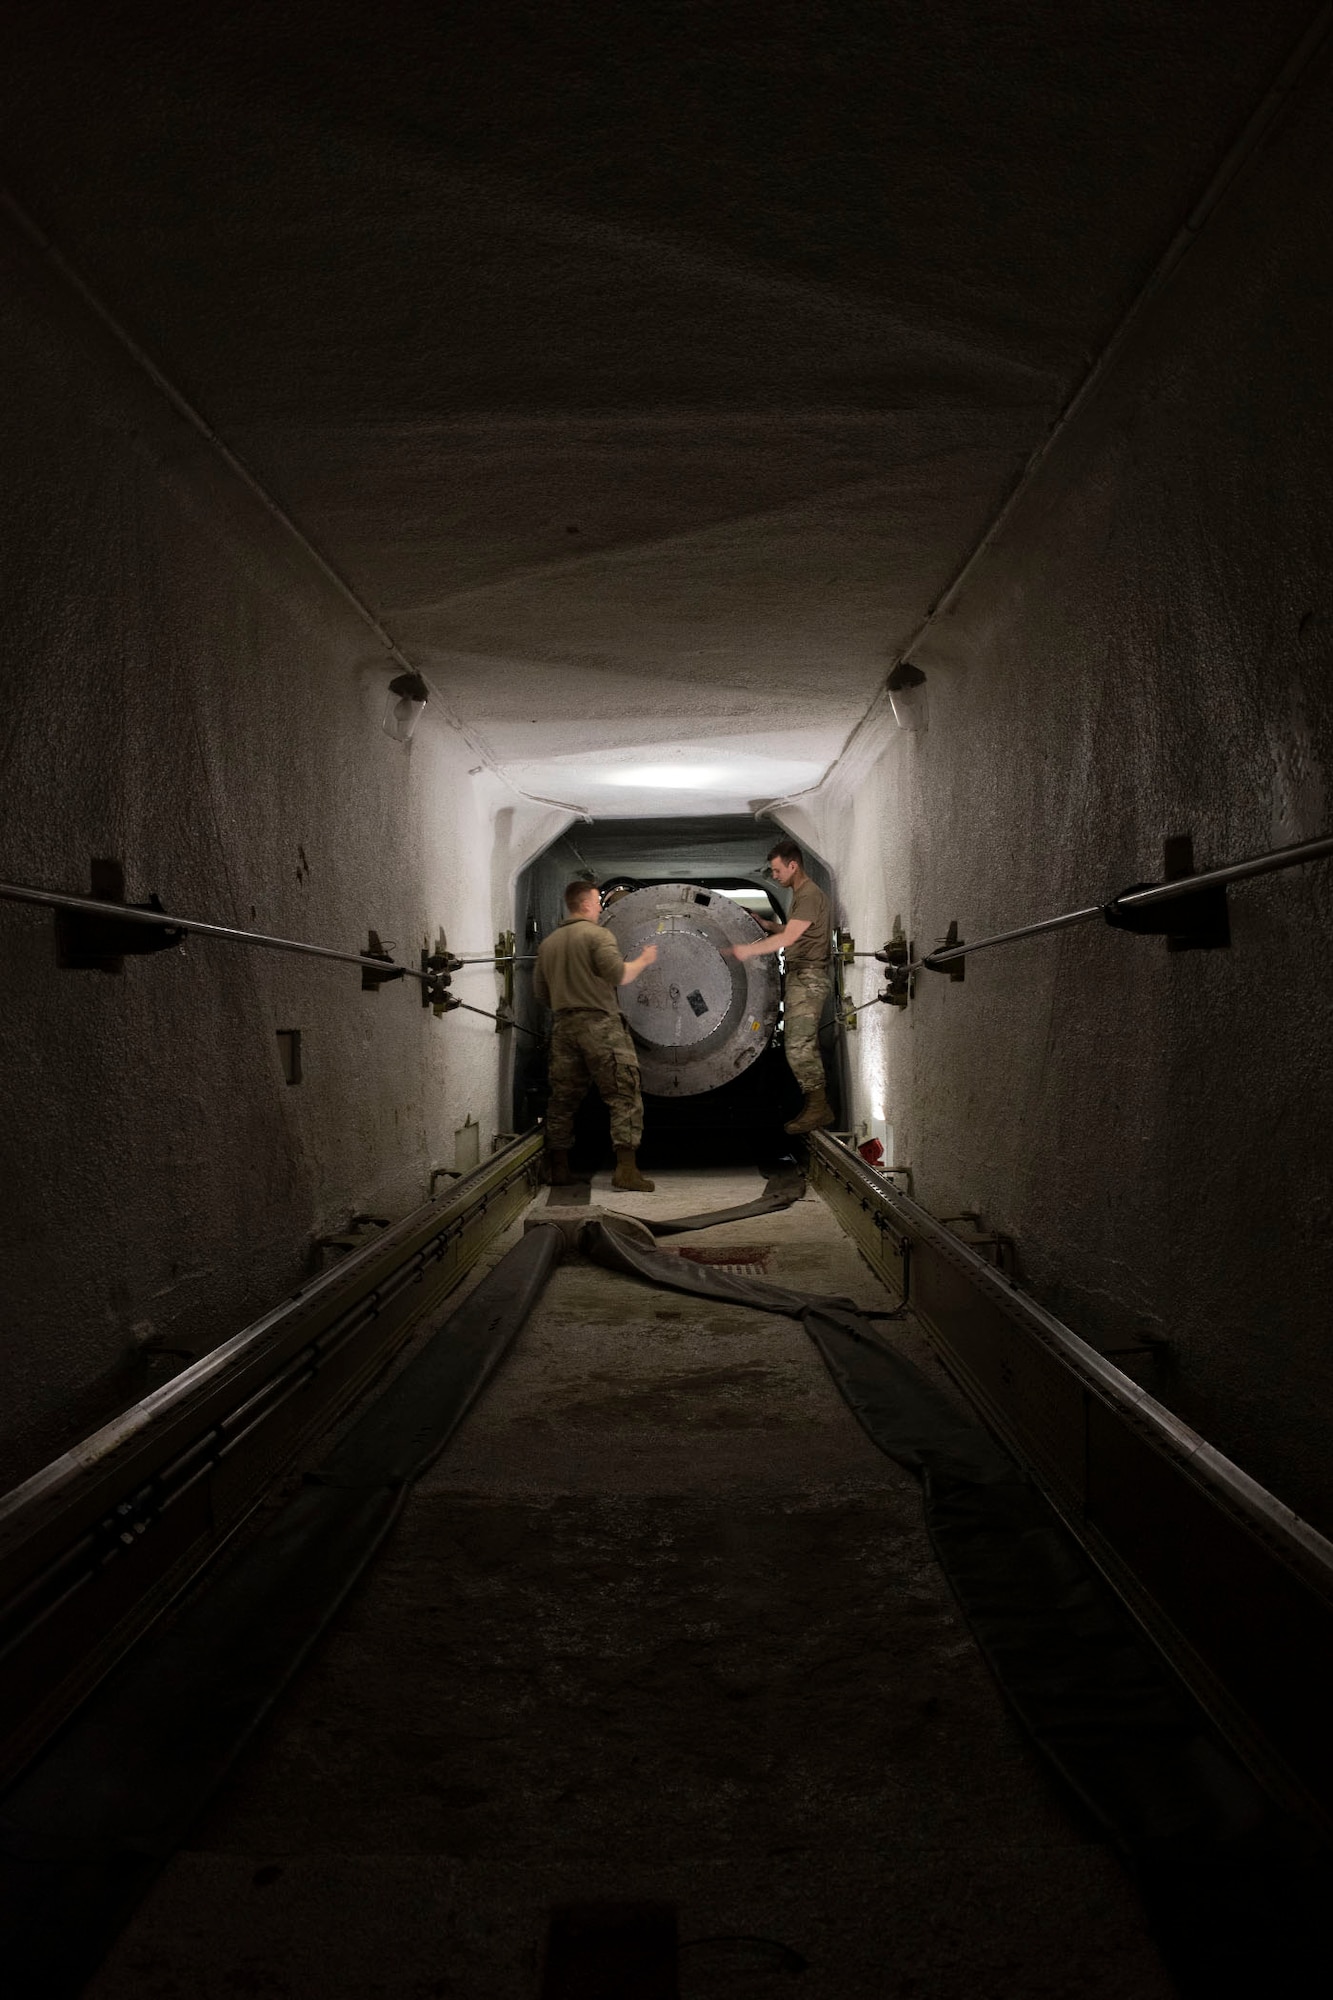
{"points": [[454, 452]]}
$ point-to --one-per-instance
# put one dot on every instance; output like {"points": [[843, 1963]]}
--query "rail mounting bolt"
{"points": [[437, 971], [896, 955], [898, 986]]}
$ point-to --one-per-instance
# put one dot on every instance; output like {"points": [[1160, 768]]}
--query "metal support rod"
{"points": [[1138, 899], [502, 1020], [1066, 921], [18, 892], [1296, 856], [92, 906]]}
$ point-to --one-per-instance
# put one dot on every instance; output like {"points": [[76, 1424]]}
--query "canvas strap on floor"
{"points": [[781, 1189]]}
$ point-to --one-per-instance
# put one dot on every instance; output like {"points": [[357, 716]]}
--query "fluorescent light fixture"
{"points": [[668, 777]]}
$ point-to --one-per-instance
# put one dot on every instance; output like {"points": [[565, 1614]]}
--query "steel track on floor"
{"points": [[1232, 1585], [95, 1546]]}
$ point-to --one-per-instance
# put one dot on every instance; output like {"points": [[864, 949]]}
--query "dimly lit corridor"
{"points": [[459, 455]]}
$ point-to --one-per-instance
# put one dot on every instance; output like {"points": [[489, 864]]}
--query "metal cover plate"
{"points": [[697, 1017]]}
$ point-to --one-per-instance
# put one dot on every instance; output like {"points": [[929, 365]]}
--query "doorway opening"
{"points": [[742, 1119]]}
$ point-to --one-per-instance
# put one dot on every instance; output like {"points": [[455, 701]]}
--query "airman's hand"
{"points": [[649, 954]]}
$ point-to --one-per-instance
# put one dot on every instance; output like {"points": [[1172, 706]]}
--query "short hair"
{"points": [[787, 850], [575, 893]]}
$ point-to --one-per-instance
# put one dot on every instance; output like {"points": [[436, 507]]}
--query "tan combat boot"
{"points": [[627, 1175], [558, 1174], [813, 1115]]}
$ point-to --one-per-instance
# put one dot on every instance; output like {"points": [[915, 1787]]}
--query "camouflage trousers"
{"points": [[803, 1002], [589, 1048]]}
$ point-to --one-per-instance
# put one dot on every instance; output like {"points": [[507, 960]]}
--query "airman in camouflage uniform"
{"points": [[588, 1048], [805, 938], [803, 1002], [578, 974]]}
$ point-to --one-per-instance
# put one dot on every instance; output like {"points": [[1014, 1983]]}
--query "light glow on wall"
{"points": [[668, 777], [665, 776]]}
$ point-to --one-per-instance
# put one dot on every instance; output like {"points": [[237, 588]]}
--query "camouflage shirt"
{"points": [[809, 905], [579, 966]]}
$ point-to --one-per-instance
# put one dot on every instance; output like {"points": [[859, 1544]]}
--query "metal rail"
{"points": [[1126, 904], [379, 965], [500, 1020], [97, 1544], [1233, 1586], [128, 913]]}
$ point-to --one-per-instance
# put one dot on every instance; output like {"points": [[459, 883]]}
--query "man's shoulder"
{"points": [[580, 934]]}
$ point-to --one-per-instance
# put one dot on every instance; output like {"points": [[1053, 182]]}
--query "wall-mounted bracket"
{"points": [[437, 970], [89, 942], [844, 954], [956, 968], [372, 980], [352, 1236], [997, 1249], [896, 955], [1197, 922], [504, 964]]}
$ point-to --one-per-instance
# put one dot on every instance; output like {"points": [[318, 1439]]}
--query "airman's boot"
{"points": [[627, 1175], [814, 1114], [558, 1173]]}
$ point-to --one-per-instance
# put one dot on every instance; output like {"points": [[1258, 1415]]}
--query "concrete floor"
{"points": [[660, 1624]]}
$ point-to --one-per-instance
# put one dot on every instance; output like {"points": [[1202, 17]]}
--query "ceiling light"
{"points": [[668, 777], [906, 696], [403, 705]]}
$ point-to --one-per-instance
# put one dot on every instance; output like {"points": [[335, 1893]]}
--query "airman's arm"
{"points": [[795, 927]]}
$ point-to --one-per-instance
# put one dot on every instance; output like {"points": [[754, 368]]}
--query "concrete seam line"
{"points": [[60, 263], [1265, 116]]}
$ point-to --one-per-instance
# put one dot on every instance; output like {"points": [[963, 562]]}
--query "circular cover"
{"points": [[698, 1019]]}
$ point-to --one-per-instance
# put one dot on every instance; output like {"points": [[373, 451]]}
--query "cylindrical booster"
{"points": [[697, 1017]]}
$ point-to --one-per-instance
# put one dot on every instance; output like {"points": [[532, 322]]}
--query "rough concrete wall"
{"points": [[186, 693], [1144, 651]]}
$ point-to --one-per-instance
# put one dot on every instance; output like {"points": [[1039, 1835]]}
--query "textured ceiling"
{"points": [[648, 371]]}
